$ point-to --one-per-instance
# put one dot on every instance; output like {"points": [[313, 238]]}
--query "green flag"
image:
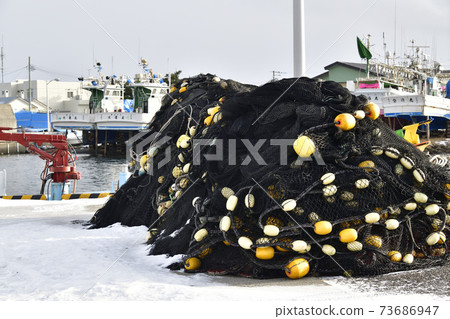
{"points": [[364, 52]]}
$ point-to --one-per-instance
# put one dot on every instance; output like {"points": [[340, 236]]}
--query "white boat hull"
{"points": [[101, 121], [416, 105], [122, 121], [74, 121]]}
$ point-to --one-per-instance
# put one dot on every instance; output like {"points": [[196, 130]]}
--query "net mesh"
{"points": [[235, 197]]}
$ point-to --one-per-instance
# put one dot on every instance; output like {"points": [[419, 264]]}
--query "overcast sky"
{"points": [[244, 40]]}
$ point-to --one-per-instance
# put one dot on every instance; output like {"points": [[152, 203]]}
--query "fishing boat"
{"points": [[412, 92], [107, 110]]}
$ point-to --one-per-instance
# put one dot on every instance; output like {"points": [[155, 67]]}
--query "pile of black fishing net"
{"points": [[221, 183]]}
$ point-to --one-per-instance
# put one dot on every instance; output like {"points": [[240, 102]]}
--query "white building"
{"points": [[62, 96], [18, 104]]}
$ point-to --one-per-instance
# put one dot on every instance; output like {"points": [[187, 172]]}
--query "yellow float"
{"points": [[304, 146], [213, 110], [323, 227], [367, 165], [345, 121], [348, 235], [265, 253], [192, 263], [395, 256], [297, 268], [143, 161], [208, 120], [372, 110], [182, 89]]}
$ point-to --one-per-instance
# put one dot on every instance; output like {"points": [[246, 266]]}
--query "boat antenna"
{"points": [[2, 55], [29, 84], [139, 49], [169, 76], [395, 28]]}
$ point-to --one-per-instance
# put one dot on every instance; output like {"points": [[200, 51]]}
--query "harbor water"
{"points": [[98, 174]]}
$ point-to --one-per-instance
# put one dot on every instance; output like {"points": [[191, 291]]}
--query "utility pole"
{"points": [[29, 84], [2, 56], [299, 38]]}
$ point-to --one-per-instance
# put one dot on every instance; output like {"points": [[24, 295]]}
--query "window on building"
{"points": [[70, 94]]}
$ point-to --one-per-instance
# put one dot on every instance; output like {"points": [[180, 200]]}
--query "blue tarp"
{"points": [[128, 105], [31, 120], [448, 90]]}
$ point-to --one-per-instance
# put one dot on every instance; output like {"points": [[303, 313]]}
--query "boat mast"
{"points": [[299, 38], [368, 66], [395, 29]]}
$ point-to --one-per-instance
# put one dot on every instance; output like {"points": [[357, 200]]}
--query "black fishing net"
{"points": [[271, 181]]}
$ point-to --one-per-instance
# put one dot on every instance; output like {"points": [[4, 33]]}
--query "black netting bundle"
{"points": [[293, 177]]}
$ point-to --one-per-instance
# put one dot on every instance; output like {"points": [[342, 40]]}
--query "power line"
{"points": [[54, 72], [103, 28], [11, 72]]}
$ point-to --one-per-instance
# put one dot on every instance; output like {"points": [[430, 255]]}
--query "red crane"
{"points": [[59, 161]]}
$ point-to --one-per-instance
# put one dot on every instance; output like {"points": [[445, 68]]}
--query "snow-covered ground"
{"points": [[46, 254]]}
